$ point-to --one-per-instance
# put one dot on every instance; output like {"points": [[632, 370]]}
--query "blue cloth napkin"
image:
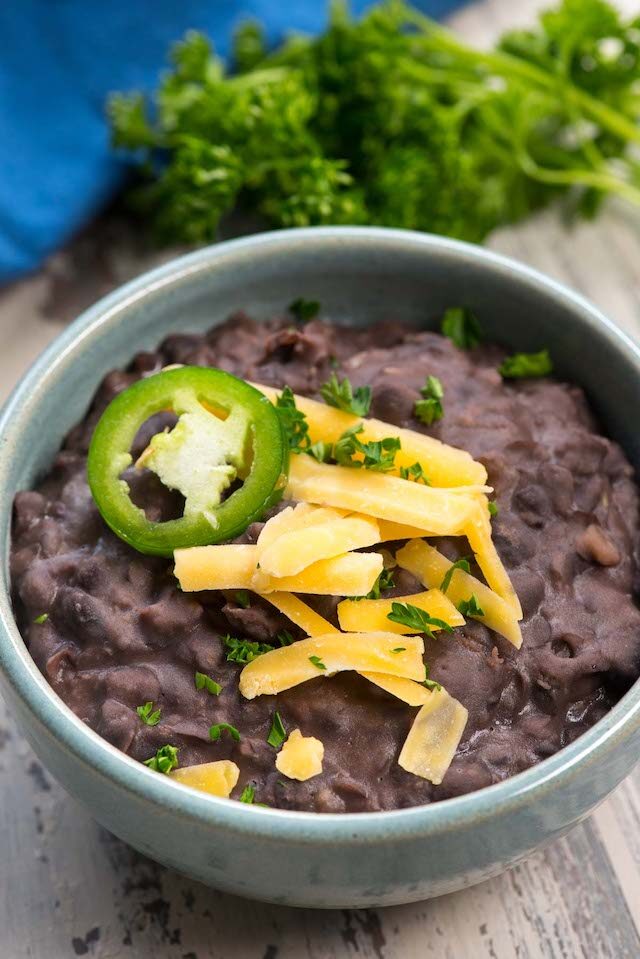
{"points": [[59, 60]]}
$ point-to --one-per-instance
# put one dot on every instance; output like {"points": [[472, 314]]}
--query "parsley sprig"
{"points": [[465, 139], [304, 310], [378, 455], [430, 683], [317, 662], [416, 619], [216, 731], [148, 715], [342, 395], [384, 581], [244, 650], [462, 564], [277, 733], [293, 421], [415, 473], [202, 681], [462, 327], [429, 408], [524, 365], [470, 607], [165, 759]]}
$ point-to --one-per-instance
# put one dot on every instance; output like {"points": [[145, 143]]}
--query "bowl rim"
{"points": [[59, 723]]}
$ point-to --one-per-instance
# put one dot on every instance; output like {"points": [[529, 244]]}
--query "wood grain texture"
{"points": [[67, 888]]}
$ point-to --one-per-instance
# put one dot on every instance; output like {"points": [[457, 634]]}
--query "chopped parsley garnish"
{"points": [[147, 714], [399, 649], [470, 607], [429, 408], [215, 732], [285, 638], [416, 618], [304, 310], [203, 681], [376, 455], [317, 662], [277, 733], [243, 598], [165, 759], [462, 327], [522, 365], [344, 397], [493, 507], [430, 683], [244, 650], [321, 451], [293, 420], [462, 564], [42, 618], [248, 794], [384, 581], [415, 473]]}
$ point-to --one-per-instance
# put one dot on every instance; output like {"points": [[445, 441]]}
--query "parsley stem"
{"points": [[507, 65]]}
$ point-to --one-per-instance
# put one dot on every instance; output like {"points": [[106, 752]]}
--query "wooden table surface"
{"points": [[68, 888]]}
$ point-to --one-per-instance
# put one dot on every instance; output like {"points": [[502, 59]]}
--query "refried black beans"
{"points": [[119, 633]]}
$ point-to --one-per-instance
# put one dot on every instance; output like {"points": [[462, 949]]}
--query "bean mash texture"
{"points": [[119, 633]]}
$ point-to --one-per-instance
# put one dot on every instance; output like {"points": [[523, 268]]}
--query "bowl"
{"points": [[360, 275]]}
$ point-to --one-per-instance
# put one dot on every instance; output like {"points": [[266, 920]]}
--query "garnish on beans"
{"points": [[462, 327], [342, 395], [525, 365], [429, 408], [201, 458]]}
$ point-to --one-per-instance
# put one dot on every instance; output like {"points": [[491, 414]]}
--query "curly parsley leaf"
{"points": [[165, 759], [416, 619], [415, 473], [148, 715], [284, 638], [244, 650], [216, 731], [42, 618], [243, 598], [342, 395], [462, 327], [304, 310], [470, 607], [294, 421], [524, 365], [202, 681], [465, 139], [493, 507], [248, 795], [277, 733], [429, 408], [428, 683], [378, 455], [462, 564], [384, 581], [317, 662]]}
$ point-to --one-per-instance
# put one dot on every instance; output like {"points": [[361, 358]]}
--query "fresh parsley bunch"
{"points": [[390, 119]]}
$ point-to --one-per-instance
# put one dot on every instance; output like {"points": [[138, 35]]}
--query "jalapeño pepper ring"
{"points": [[249, 442]]}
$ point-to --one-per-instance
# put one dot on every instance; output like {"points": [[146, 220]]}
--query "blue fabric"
{"points": [[59, 59]]}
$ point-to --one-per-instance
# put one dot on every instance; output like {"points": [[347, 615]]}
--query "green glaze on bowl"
{"points": [[360, 275]]}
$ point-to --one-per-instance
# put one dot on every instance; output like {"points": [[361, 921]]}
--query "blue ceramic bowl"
{"points": [[360, 276]]}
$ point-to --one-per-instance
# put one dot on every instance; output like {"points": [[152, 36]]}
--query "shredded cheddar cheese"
{"points": [[430, 567], [300, 757], [217, 778], [443, 512], [297, 549], [444, 465], [434, 737], [478, 531], [371, 614], [236, 567], [331, 653]]}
